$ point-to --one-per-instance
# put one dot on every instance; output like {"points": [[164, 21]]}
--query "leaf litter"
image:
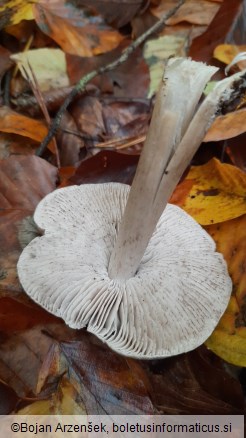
{"points": [[71, 369]]}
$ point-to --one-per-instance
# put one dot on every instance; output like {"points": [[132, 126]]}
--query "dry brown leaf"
{"points": [[24, 181], [76, 31], [196, 12], [227, 126]]}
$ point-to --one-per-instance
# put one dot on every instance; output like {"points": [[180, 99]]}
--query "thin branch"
{"points": [[112, 65]]}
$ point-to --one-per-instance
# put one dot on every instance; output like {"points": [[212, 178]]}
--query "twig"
{"points": [[112, 65]]}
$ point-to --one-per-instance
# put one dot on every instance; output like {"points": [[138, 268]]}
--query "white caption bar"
{"points": [[169, 426]]}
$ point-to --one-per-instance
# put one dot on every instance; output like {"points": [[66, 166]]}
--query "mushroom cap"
{"points": [[170, 306]]}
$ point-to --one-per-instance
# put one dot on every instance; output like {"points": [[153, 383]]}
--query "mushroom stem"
{"points": [[171, 142]]}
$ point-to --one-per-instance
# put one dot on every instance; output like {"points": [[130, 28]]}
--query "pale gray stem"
{"points": [[170, 144]]}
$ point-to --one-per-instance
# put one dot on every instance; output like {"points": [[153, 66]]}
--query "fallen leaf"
{"points": [[130, 79], [87, 113], [229, 338], [24, 181], [227, 52], [64, 401], [106, 167], [225, 23], [15, 11], [111, 384], [196, 12], [227, 126], [8, 399], [70, 145], [75, 30], [23, 353], [20, 313], [212, 193], [116, 12], [235, 148], [54, 76], [16, 123], [13, 144], [195, 383], [158, 50]]}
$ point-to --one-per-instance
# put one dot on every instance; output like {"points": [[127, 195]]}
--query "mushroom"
{"points": [[147, 282]]}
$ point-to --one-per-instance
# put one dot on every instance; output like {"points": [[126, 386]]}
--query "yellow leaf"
{"points": [[227, 52], [227, 126], [212, 193], [48, 65], [15, 11], [156, 51], [229, 338]]}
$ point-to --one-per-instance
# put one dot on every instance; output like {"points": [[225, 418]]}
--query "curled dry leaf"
{"points": [[75, 30], [212, 193], [229, 338]]}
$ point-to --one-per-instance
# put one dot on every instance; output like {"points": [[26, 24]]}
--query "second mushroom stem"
{"points": [[173, 138]]}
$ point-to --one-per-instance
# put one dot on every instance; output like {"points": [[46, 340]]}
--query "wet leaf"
{"points": [[212, 193], [227, 126], [48, 78], [229, 338], [75, 30]]}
